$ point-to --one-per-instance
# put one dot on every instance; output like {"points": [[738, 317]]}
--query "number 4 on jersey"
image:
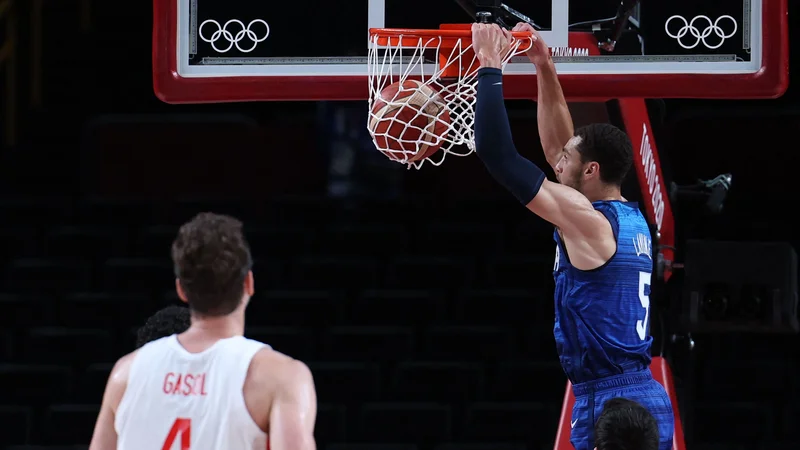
{"points": [[182, 427], [644, 299]]}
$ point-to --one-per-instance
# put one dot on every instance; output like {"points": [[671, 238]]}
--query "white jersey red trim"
{"points": [[176, 400]]}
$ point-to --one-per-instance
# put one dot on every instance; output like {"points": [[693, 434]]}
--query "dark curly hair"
{"points": [[165, 322], [625, 425], [610, 147], [212, 259]]}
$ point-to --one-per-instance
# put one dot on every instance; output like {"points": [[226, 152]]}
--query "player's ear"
{"points": [[179, 290], [592, 169], [249, 284]]}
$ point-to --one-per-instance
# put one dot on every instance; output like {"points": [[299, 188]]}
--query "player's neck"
{"points": [[218, 327], [605, 193]]}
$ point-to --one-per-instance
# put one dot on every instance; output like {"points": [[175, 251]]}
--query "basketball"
{"points": [[409, 121]]}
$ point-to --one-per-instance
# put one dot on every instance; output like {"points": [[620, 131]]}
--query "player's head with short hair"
{"points": [[600, 153], [165, 322], [625, 425], [212, 265]]}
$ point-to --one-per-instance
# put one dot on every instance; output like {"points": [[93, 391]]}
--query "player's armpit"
{"points": [[294, 409], [570, 211]]}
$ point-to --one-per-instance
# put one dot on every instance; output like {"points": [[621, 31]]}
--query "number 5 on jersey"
{"points": [[644, 299], [182, 427]]}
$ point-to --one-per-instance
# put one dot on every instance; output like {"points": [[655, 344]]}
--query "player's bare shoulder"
{"points": [[118, 380], [270, 374]]}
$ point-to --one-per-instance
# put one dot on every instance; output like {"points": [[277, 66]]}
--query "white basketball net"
{"points": [[392, 63]]}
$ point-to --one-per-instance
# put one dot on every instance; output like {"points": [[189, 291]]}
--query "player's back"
{"points": [[174, 396], [602, 315]]}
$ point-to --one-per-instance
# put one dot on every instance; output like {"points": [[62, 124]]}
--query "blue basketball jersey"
{"points": [[602, 325]]}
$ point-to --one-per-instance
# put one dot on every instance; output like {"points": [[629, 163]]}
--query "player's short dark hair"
{"points": [[165, 322], [625, 425], [610, 147], [212, 259]]}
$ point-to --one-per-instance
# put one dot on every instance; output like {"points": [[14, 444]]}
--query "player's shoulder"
{"points": [[278, 366], [118, 379]]}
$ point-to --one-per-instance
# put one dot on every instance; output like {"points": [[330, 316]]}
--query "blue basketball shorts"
{"points": [[638, 386]]}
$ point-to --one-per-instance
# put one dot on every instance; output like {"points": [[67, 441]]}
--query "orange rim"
{"points": [[412, 32], [388, 37]]}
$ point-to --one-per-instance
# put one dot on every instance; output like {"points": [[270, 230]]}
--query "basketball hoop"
{"points": [[423, 86]]}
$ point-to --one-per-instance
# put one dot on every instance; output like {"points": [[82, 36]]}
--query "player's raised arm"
{"points": [[560, 205], [553, 117], [294, 409]]}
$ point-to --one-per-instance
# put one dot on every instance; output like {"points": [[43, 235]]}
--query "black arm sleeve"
{"points": [[493, 142]]}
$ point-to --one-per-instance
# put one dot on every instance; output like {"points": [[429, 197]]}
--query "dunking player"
{"points": [[603, 257], [209, 387]]}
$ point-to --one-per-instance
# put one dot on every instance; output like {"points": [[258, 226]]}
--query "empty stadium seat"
{"points": [[281, 307], [539, 344], [344, 382], [47, 447], [69, 424], [7, 344], [437, 381], [527, 272], [18, 242], [34, 384], [69, 346], [371, 446], [523, 422], [759, 418], [154, 241], [462, 343], [274, 242], [16, 424], [31, 212], [117, 311], [397, 307], [328, 271], [22, 310], [486, 446], [460, 239], [505, 307], [437, 272], [86, 242], [92, 383], [753, 380], [528, 381], [115, 211], [300, 343], [137, 275], [375, 240], [48, 275], [368, 343], [331, 423], [404, 422]]}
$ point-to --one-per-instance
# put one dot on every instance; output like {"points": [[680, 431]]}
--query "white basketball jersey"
{"points": [[176, 400]]}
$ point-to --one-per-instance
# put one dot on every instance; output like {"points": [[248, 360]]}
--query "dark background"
{"points": [[422, 300]]}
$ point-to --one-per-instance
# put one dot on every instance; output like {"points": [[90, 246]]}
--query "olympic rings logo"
{"points": [[234, 39], [700, 36]]}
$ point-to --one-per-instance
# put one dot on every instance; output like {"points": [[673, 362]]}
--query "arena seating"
{"points": [[426, 326]]}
